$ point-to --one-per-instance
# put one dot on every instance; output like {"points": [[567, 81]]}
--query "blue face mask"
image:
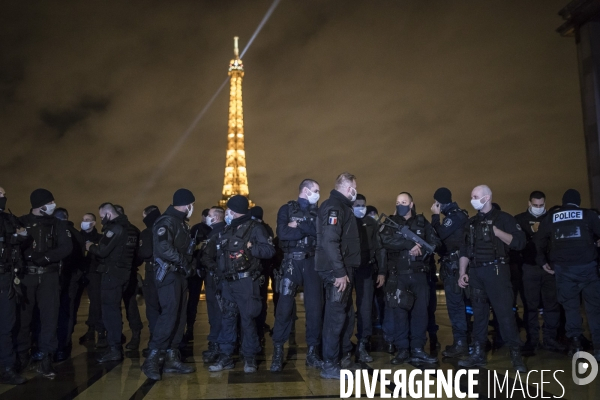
{"points": [[402, 210], [228, 219]]}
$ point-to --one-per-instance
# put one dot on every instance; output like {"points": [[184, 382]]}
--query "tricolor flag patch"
{"points": [[333, 217]]}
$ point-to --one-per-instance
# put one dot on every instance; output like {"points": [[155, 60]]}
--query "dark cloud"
{"points": [[407, 95]]}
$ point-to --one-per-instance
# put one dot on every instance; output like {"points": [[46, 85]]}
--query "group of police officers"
{"points": [[332, 251]]}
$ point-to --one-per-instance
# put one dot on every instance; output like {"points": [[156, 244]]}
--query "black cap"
{"points": [[257, 212], [443, 195], [183, 197], [571, 196], [40, 197], [371, 209], [238, 204]]}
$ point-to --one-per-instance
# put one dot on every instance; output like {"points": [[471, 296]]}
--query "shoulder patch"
{"points": [[68, 233], [109, 234], [448, 222], [333, 217], [161, 231], [519, 227], [140, 244], [270, 240]]}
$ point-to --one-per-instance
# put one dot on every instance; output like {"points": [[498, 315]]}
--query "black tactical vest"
{"points": [[43, 231], [569, 230], [485, 246], [7, 238], [233, 248], [456, 239], [417, 225], [295, 213]]}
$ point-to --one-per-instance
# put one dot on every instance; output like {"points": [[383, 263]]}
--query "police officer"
{"points": [[12, 234], [49, 242], [297, 233], [215, 219], [116, 251], [407, 290], [566, 247], [537, 283], [257, 214], [145, 255], [337, 256], [489, 236], [372, 256], [70, 274], [200, 233], [240, 246], [89, 233], [451, 233], [132, 311], [173, 250]]}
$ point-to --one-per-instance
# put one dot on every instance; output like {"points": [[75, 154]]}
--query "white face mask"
{"points": [[85, 225], [313, 197], [209, 221], [49, 209], [477, 204], [537, 211], [190, 211], [360, 211], [353, 198]]}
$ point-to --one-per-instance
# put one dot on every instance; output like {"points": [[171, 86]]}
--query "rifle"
{"points": [[406, 233]]}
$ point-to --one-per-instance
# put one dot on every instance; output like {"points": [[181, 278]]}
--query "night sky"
{"points": [[407, 95]]}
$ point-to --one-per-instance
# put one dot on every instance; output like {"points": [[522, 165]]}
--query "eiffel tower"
{"points": [[236, 177]]}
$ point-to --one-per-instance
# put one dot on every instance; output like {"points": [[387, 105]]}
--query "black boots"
{"points": [[418, 355], [134, 343], [113, 354], [212, 354], [45, 367], [223, 362], [347, 363], [402, 357], [517, 360], [330, 370], [9, 376], [552, 344], [102, 342], [173, 363], [476, 358], [250, 365], [188, 336], [390, 348], [89, 336], [458, 349], [575, 346], [151, 366], [312, 358], [277, 364], [362, 355]]}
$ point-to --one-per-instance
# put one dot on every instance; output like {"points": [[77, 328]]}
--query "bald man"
{"points": [[490, 235]]}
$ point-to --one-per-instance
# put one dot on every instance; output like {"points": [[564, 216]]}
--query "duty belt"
{"points": [[410, 271], [239, 275], [501, 260], [298, 255], [450, 257], [41, 270]]}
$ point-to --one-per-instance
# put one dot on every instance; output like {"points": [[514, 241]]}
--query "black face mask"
{"points": [[402, 210], [2, 203], [105, 220]]}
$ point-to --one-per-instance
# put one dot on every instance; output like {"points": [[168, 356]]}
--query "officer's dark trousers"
{"points": [[43, 290], [194, 288], [261, 319], [8, 308], [302, 274], [432, 327], [113, 286], [495, 281], [240, 298], [151, 298], [410, 327], [131, 307], [170, 326], [365, 289], [69, 286], [388, 323], [338, 322], [94, 290], [572, 282], [536, 283], [456, 307], [215, 316]]}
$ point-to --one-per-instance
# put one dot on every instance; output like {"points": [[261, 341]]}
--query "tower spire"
{"points": [[236, 178]]}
